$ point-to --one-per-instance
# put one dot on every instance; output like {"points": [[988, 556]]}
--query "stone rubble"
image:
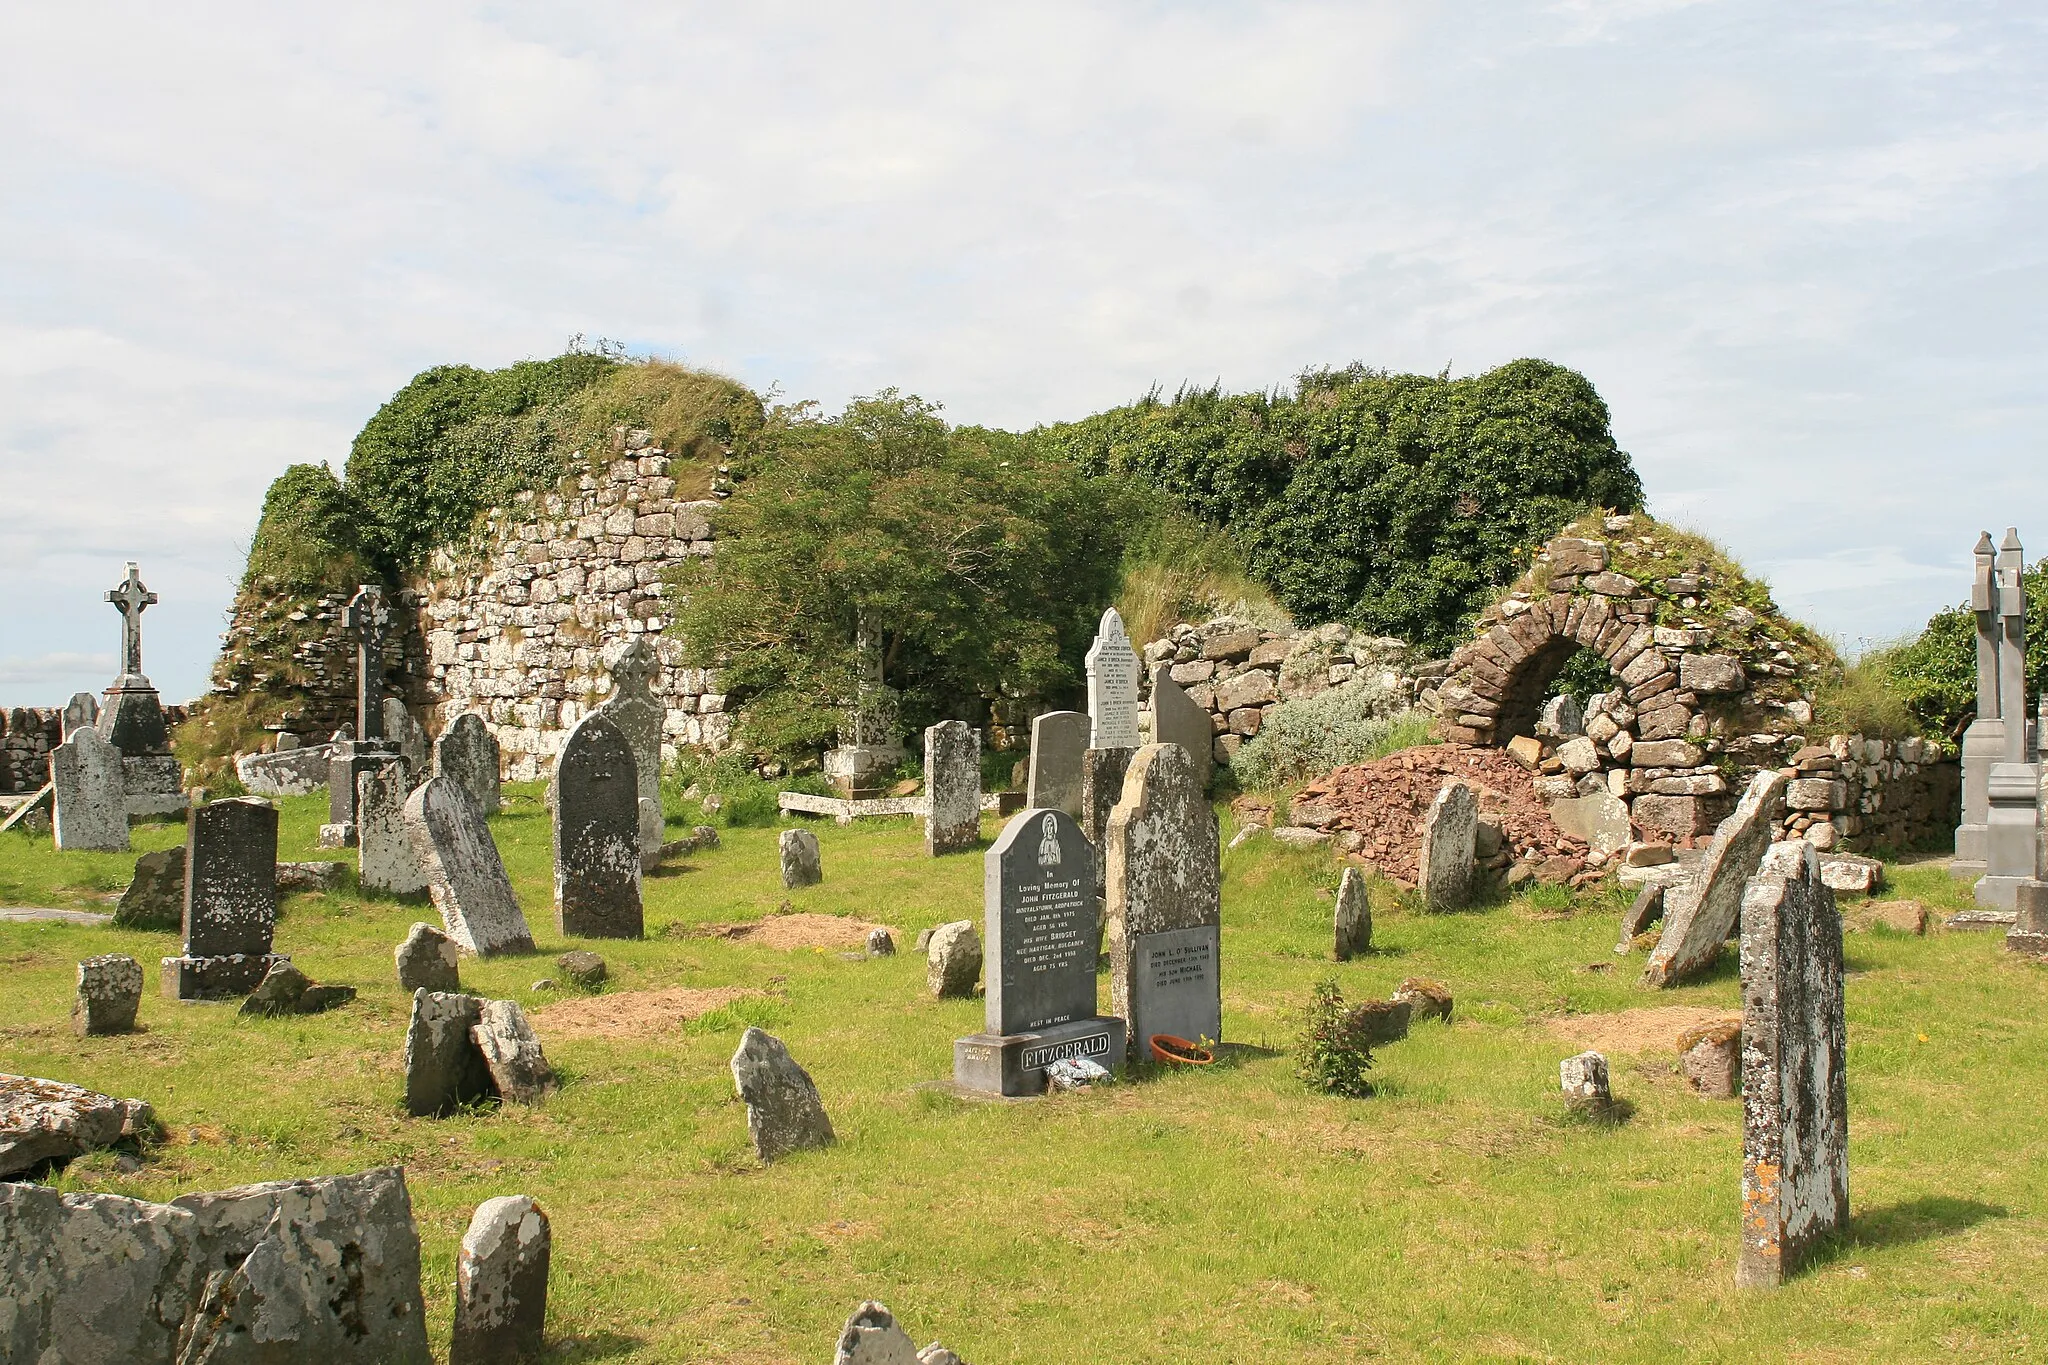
{"points": [[43, 1120]]}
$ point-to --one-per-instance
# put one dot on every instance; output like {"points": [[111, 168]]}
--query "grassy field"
{"points": [[1222, 1216]]}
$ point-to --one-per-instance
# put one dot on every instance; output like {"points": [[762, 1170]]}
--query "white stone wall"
{"points": [[522, 633]]}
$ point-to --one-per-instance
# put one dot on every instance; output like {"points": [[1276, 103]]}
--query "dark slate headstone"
{"points": [[230, 900], [597, 834], [1040, 923], [1177, 985], [1059, 740]]}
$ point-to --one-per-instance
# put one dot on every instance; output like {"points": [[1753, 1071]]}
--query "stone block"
{"points": [[1353, 919], [1816, 794], [1584, 1081], [519, 1070], [428, 960], [800, 859], [109, 993], [1711, 673], [1665, 753], [953, 960]]}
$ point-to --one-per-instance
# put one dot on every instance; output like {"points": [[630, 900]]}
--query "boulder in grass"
{"points": [[1584, 1081], [880, 943], [1427, 999], [953, 960], [872, 1337], [585, 970], [428, 960], [155, 898], [44, 1120]]}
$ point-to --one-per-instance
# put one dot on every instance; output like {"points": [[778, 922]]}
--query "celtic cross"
{"points": [[130, 599], [369, 617]]}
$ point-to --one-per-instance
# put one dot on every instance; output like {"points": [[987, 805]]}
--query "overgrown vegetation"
{"points": [[1934, 674], [1305, 737], [1332, 1053], [1178, 568], [307, 538]]}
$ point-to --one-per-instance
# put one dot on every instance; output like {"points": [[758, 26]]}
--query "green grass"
{"points": [[1227, 1216]]}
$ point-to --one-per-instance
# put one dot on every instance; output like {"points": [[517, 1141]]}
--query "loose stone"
{"points": [[501, 1283], [155, 898], [953, 960], [1710, 1059], [880, 944], [585, 970], [443, 1068], [519, 1071], [1430, 999], [1584, 1081], [801, 862], [428, 960]]}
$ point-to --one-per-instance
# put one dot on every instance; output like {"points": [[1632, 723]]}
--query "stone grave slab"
{"points": [[91, 796], [465, 875], [632, 708], [1102, 786], [468, 754], [1450, 833], [1164, 869], [230, 900], [597, 834], [952, 784], [1177, 720], [1113, 673], [385, 860], [1699, 916], [1176, 985]]}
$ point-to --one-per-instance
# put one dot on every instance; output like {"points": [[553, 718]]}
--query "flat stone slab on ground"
{"points": [[31, 914], [43, 1120]]}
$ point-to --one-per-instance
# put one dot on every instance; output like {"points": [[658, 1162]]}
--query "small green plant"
{"points": [[1333, 1053], [1307, 736]]}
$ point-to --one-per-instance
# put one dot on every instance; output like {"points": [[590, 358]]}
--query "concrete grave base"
{"points": [[217, 978], [1014, 1064]]}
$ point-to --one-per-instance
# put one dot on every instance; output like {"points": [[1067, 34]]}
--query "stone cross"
{"points": [[131, 599], [1984, 741], [2012, 648], [369, 617]]}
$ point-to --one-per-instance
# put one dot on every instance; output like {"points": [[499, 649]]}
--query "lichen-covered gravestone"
{"points": [[89, 794], [1177, 720], [403, 731], [638, 715], [1698, 918], [1165, 911], [800, 859], [501, 1283], [1450, 831], [428, 960], [1353, 917], [1112, 686], [109, 992], [464, 872], [155, 898], [953, 960], [1102, 786], [468, 754], [443, 1068], [519, 1070], [1059, 739], [784, 1113], [952, 786], [597, 834], [230, 900], [1584, 1081], [1795, 1098], [385, 860]]}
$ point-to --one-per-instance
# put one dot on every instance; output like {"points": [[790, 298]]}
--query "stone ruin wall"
{"points": [[28, 733], [294, 645]]}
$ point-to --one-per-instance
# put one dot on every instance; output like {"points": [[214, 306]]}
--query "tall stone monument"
{"points": [[952, 787], [633, 709], [1164, 871], [870, 742], [1112, 686], [1984, 741], [1450, 830], [370, 617], [230, 901], [1795, 1099], [2012, 840], [1059, 739], [1040, 917], [597, 834], [132, 720], [87, 791]]}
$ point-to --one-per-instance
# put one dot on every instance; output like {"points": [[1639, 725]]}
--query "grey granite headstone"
{"points": [[428, 960], [1164, 871], [468, 754], [800, 859], [1450, 833], [385, 860], [230, 900], [109, 992], [1353, 919], [638, 715], [784, 1113], [597, 834], [1112, 686], [444, 1070], [1177, 720], [501, 1283], [89, 794], [1102, 786], [1059, 741], [1176, 985], [952, 785], [465, 875], [1795, 1101], [410, 738], [1040, 923], [1699, 917], [82, 712]]}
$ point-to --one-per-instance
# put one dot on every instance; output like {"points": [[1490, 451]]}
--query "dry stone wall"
{"points": [[293, 647], [29, 733]]}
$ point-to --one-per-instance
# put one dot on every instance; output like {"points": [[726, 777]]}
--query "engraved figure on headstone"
{"points": [[1112, 686], [1049, 843], [633, 709]]}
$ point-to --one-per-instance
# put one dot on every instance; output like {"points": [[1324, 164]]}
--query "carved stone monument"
{"points": [[870, 744], [1164, 870], [385, 860], [1450, 831], [230, 901], [465, 875], [2012, 841], [132, 720], [1112, 686], [952, 787], [638, 715], [468, 754], [370, 617], [597, 834], [1177, 720]]}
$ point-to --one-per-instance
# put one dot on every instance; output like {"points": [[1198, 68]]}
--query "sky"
{"points": [[1798, 248]]}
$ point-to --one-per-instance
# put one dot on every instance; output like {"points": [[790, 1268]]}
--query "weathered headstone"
{"points": [[953, 960], [1353, 917], [1112, 686], [784, 1113], [428, 960], [404, 732], [501, 1283], [1795, 1100], [952, 785], [801, 865], [90, 794], [880, 944], [638, 715], [1450, 832], [873, 1337], [1059, 742], [1102, 786], [385, 860], [444, 1070], [1710, 1059], [1584, 1081], [1177, 720], [464, 872], [519, 1071], [297, 771], [155, 898], [1643, 911], [230, 900], [88, 1277], [2029, 932], [109, 993], [1699, 917], [468, 754], [1165, 914], [82, 712], [597, 834]]}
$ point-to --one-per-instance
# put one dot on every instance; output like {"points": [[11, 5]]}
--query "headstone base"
{"points": [[353, 758], [153, 785], [1015, 1063], [217, 978], [1999, 893], [2029, 932], [1968, 864], [132, 717]]}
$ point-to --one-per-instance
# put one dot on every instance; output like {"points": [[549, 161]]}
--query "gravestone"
{"points": [[1165, 911], [1059, 742], [1112, 686], [230, 900], [406, 735], [444, 1070], [1353, 917], [132, 720], [1177, 720], [501, 1283], [1039, 919], [155, 899], [952, 785], [371, 618], [91, 799], [1584, 1081], [2029, 932], [1795, 1099], [633, 709], [519, 1070], [800, 861], [465, 875], [1102, 786], [467, 753], [428, 960], [1450, 833], [597, 834], [109, 993], [2012, 838], [1699, 916], [82, 712], [385, 860], [784, 1112]]}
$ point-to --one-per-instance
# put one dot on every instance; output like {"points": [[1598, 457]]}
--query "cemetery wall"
{"points": [[28, 733]]}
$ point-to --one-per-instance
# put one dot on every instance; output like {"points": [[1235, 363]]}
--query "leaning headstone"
{"points": [[464, 872], [385, 860], [1112, 686], [443, 1068], [638, 715], [1353, 917], [597, 834], [784, 1113], [501, 1283], [952, 785], [428, 960], [91, 800], [1059, 740], [1584, 1081], [1450, 831], [1102, 786], [1165, 911], [519, 1071], [414, 746], [800, 859], [155, 898], [109, 993], [468, 753], [953, 960], [1177, 720], [1795, 1100], [230, 900], [1699, 917]]}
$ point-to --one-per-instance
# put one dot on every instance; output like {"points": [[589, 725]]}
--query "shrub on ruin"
{"points": [[1332, 1053], [307, 534], [1305, 737], [1934, 674]]}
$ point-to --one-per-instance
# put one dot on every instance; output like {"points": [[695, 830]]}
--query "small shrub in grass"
{"points": [[1332, 1055], [1308, 736]]}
